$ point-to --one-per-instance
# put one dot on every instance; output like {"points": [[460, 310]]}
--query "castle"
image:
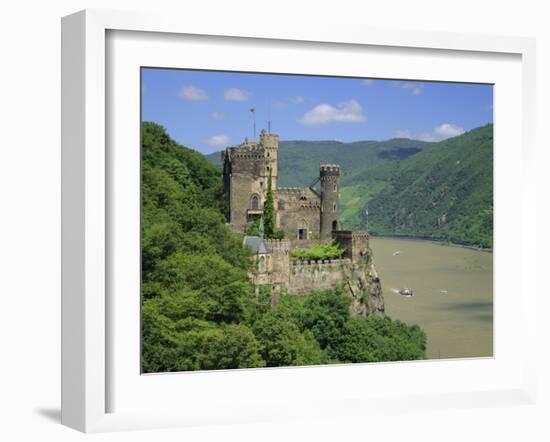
{"points": [[307, 216], [302, 213]]}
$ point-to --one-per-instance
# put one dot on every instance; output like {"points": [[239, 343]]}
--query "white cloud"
{"points": [[439, 133], [368, 82], [346, 112], [218, 116], [448, 130], [218, 140], [192, 93], [414, 88], [234, 94]]}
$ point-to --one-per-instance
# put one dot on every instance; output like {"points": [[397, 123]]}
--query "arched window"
{"points": [[255, 202], [334, 225], [334, 207], [335, 188], [261, 264]]}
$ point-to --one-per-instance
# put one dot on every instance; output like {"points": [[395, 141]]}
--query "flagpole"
{"points": [[253, 110]]}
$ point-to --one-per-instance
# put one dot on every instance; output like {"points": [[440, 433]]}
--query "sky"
{"points": [[210, 110]]}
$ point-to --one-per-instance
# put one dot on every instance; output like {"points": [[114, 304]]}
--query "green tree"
{"points": [[282, 343], [325, 314], [269, 211]]}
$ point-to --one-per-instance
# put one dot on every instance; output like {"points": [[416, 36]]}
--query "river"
{"points": [[453, 293]]}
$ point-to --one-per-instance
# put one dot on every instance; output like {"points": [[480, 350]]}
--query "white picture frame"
{"points": [[86, 204]]}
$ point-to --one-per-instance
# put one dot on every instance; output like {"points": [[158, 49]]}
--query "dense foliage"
{"points": [[269, 210], [327, 250], [444, 192], [199, 310], [441, 191]]}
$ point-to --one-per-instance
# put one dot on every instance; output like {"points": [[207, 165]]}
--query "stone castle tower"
{"points": [[304, 214], [329, 175], [246, 172]]}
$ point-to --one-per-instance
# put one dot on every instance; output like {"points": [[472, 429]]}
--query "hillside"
{"points": [[444, 192], [199, 309]]}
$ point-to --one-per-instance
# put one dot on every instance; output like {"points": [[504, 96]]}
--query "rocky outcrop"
{"points": [[365, 290]]}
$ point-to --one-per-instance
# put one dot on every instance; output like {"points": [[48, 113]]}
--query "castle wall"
{"points": [[320, 275], [298, 208]]}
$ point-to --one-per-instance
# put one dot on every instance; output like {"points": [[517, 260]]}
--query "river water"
{"points": [[453, 293]]}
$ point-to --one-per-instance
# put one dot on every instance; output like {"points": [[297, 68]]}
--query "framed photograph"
{"points": [[262, 222]]}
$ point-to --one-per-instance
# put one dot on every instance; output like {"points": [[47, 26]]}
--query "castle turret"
{"points": [[270, 143], [329, 175]]}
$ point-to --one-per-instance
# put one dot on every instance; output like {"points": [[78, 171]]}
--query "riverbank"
{"points": [[432, 240]]}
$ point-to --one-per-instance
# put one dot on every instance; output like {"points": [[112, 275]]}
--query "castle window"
{"points": [[302, 230], [255, 202], [303, 198], [281, 205], [334, 207], [335, 188], [334, 225], [261, 264]]}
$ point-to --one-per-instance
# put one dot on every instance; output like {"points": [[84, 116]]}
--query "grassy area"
{"points": [[328, 250]]}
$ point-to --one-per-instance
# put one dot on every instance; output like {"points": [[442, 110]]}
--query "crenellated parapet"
{"points": [[278, 246], [329, 170]]}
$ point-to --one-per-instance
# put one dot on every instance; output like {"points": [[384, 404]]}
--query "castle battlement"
{"points": [[329, 169], [290, 189], [296, 262], [278, 245]]}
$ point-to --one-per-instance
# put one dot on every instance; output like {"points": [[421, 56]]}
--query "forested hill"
{"points": [[199, 310], [444, 192]]}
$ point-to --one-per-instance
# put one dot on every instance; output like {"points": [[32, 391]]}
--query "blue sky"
{"points": [[208, 111]]}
